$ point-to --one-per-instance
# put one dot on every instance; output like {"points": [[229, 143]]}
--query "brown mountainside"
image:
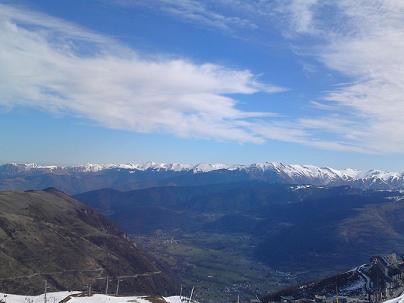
{"points": [[47, 235]]}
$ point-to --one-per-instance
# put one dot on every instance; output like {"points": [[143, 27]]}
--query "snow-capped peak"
{"points": [[285, 173], [298, 171], [207, 167]]}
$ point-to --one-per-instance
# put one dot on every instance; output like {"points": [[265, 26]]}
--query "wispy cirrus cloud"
{"points": [[362, 40], [199, 12], [56, 66]]}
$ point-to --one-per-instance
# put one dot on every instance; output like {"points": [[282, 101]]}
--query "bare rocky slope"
{"points": [[47, 235]]}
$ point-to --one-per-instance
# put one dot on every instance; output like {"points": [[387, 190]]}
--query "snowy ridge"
{"points": [[290, 170], [94, 167], [287, 173], [296, 171]]}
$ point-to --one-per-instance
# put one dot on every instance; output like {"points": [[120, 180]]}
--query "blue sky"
{"points": [[297, 81]]}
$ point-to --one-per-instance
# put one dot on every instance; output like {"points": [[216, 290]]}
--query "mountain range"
{"points": [[268, 220], [76, 179]]}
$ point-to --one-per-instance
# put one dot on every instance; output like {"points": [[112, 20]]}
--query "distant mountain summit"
{"points": [[75, 179]]}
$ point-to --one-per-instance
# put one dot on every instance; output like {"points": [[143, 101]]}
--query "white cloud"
{"points": [[57, 66], [363, 40], [301, 14], [195, 12], [299, 132]]}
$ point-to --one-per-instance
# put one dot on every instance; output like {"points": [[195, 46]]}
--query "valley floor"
{"points": [[217, 265]]}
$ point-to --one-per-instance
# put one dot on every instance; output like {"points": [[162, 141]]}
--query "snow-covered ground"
{"points": [[399, 299], [56, 297], [53, 297]]}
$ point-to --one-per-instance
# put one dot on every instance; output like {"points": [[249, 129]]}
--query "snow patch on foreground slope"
{"points": [[396, 300], [52, 297], [56, 297]]}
